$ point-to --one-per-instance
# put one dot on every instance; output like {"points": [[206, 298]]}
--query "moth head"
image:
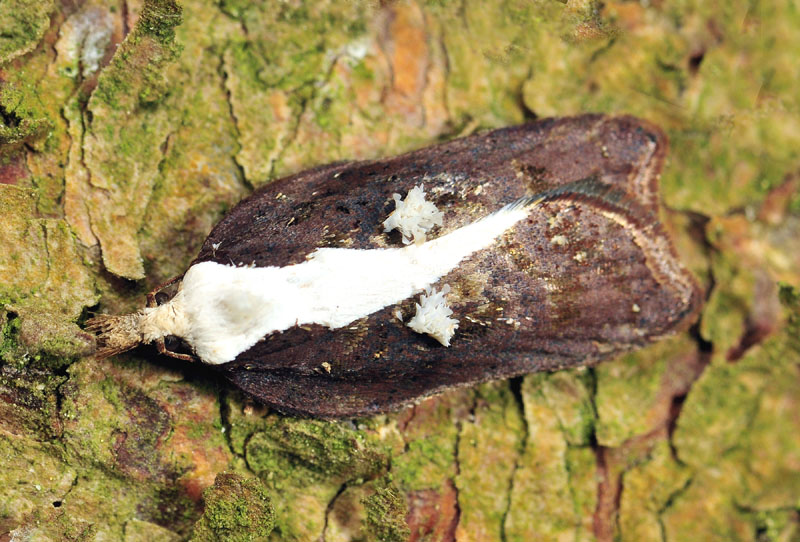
{"points": [[115, 334]]}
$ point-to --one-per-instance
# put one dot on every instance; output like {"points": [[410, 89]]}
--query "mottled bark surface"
{"points": [[128, 128]]}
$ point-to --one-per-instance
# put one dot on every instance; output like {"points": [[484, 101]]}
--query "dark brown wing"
{"points": [[581, 280]]}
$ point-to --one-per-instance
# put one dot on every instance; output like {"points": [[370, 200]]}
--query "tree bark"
{"points": [[128, 128]]}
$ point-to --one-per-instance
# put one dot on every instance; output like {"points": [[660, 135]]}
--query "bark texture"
{"points": [[128, 128]]}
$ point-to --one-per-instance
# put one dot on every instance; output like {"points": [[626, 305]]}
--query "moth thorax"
{"points": [[167, 319]]}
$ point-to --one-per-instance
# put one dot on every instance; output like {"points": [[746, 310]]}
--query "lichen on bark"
{"points": [[126, 125]]}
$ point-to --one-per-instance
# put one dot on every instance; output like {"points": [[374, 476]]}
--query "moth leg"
{"points": [[151, 297], [162, 349], [151, 302]]}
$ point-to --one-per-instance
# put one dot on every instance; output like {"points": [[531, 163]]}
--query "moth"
{"points": [[357, 287]]}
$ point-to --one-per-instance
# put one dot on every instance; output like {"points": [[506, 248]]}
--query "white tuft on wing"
{"points": [[413, 216], [433, 316]]}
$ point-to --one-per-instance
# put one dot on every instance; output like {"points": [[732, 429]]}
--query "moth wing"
{"points": [[579, 281], [345, 204]]}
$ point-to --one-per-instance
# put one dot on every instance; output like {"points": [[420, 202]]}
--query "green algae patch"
{"points": [[110, 424], [491, 51], [272, 87], [137, 530], [243, 418], [198, 179], [30, 401], [146, 425], [127, 126], [56, 73], [24, 22], [739, 432], [681, 66], [425, 463], [327, 448], [629, 397], [255, 106], [649, 489], [431, 436], [725, 315], [570, 394], [386, 511], [706, 510], [237, 509], [494, 437], [126, 427], [375, 511], [546, 500], [55, 525], [43, 281], [718, 412], [45, 495], [581, 462], [259, 92], [307, 462], [32, 478], [740, 320]]}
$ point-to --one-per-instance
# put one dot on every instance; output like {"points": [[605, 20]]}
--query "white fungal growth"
{"points": [[413, 216], [433, 316]]}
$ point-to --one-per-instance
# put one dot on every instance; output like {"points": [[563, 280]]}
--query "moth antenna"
{"points": [[588, 188], [115, 334]]}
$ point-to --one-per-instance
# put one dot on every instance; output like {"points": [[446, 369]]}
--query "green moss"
{"points": [[159, 19], [24, 22], [9, 339], [21, 120], [237, 509], [307, 462], [386, 511], [329, 449]]}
